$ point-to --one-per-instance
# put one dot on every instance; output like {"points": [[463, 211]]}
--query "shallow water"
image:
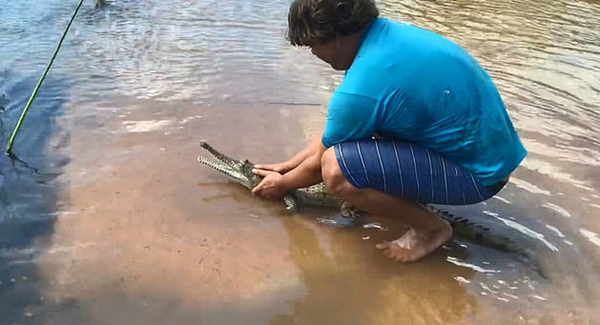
{"points": [[107, 217]]}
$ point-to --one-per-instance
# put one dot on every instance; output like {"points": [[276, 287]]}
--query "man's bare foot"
{"points": [[415, 245]]}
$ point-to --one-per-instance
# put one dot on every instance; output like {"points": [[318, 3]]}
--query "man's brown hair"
{"points": [[313, 22]]}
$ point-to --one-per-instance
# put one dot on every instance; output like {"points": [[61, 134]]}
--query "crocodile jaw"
{"points": [[226, 169]]}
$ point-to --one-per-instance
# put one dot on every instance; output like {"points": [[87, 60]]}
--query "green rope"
{"points": [[37, 87]]}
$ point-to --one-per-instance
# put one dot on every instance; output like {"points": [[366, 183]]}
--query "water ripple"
{"points": [[546, 60]]}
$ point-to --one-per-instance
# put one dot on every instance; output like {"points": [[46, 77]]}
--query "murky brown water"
{"points": [[111, 220]]}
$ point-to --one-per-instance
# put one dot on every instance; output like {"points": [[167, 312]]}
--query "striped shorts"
{"points": [[410, 171]]}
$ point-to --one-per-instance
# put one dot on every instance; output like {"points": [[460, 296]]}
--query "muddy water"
{"points": [[107, 218]]}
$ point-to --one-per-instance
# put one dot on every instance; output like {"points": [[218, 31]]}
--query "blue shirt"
{"points": [[415, 85]]}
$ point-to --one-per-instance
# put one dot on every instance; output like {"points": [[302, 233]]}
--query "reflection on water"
{"points": [[522, 229], [108, 173], [558, 209], [591, 236], [475, 268]]}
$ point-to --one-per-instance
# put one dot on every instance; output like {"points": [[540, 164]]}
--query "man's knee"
{"points": [[331, 173]]}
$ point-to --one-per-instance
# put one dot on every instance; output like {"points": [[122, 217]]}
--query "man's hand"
{"points": [[280, 168], [271, 187]]}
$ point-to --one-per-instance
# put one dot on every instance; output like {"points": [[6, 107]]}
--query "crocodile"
{"points": [[240, 171]]}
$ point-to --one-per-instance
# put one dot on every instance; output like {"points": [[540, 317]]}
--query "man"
{"points": [[415, 120]]}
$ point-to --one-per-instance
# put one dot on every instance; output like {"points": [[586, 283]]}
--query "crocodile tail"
{"points": [[477, 234], [481, 235]]}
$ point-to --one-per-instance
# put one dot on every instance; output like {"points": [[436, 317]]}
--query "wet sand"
{"points": [[148, 235], [157, 231]]}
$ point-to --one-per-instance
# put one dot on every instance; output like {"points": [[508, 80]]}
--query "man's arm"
{"points": [[306, 173], [312, 148]]}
